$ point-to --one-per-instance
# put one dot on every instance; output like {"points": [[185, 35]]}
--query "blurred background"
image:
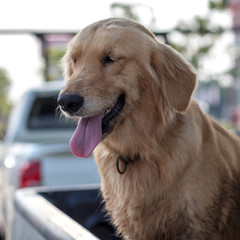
{"points": [[33, 37]]}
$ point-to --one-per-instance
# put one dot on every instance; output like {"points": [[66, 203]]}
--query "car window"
{"points": [[44, 115]]}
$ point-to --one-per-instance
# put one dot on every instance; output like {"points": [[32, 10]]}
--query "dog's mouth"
{"points": [[91, 130], [112, 113]]}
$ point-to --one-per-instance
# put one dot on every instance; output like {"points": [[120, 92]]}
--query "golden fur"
{"points": [[185, 182]]}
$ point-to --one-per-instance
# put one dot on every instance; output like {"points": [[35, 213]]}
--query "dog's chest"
{"points": [[145, 217], [139, 206]]}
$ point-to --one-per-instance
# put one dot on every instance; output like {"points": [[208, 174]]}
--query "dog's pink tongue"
{"points": [[86, 136]]}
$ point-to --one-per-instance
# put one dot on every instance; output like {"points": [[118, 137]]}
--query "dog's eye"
{"points": [[74, 60], [108, 59]]}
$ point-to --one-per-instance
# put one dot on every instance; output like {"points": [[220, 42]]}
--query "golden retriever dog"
{"points": [[168, 171]]}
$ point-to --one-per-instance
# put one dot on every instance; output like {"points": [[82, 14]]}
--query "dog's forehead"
{"points": [[102, 36]]}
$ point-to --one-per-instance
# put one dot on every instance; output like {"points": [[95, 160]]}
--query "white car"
{"points": [[36, 150]]}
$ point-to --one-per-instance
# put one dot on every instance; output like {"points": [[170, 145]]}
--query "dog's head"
{"points": [[113, 68]]}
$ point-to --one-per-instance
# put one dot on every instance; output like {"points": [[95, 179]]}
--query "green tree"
{"points": [[4, 101], [197, 38], [127, 10], [199, 35], [54, 56], [219, 5]]}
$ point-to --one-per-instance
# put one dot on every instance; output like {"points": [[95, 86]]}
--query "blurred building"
{"points": [[53, 48]]}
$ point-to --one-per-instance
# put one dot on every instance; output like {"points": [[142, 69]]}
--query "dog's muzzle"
{"points": [[90, 130]]}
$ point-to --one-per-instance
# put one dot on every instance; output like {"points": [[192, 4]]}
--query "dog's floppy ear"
{"points": [[176, 78]]}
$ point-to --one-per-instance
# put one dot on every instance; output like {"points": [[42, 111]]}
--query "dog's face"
{"points": [[109, 67], [102, 66]]}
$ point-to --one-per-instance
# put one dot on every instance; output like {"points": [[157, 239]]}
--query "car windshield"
{"points": [[44, 114]]}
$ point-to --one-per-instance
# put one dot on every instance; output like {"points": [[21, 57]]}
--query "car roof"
{"points": [[56, 85]]}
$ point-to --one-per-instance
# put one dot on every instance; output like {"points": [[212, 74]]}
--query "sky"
{"points": [[20, 55]]}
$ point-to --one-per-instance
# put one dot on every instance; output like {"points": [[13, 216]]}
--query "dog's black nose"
{"points": [[70, 102]]}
